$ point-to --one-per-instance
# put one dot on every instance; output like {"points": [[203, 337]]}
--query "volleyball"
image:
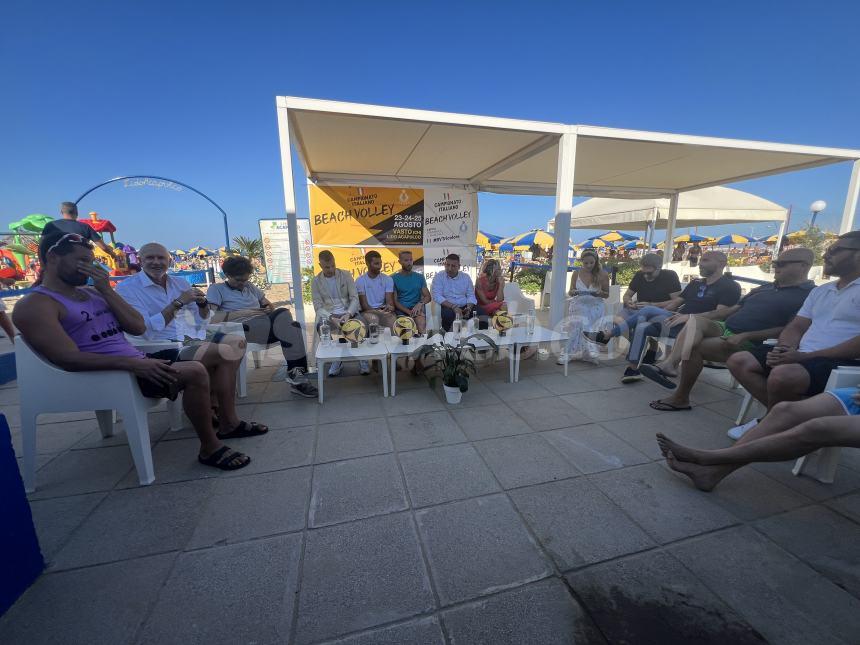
{"points": [[404, 328], [502, 322], [354, 330]]}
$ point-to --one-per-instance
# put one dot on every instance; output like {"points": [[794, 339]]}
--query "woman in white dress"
{"points": [[589, 288]]}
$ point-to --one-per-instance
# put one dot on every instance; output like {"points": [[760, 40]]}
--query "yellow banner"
{"points": [[355, 215], [352, 258]]}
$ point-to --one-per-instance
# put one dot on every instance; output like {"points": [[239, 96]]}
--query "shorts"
{"points": [[153, 390], [746, 346], [845, 395], [818, 369]]}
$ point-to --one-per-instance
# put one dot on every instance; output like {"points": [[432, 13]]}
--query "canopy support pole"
{"points": [[563, 207], [851, 199], [669, 245], [290, 208]]}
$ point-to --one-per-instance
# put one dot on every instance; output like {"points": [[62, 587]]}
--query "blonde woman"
{"points": [[589, 288]]}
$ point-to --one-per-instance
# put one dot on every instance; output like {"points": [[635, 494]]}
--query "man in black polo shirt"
{"points": [[70, 224], [714, 290], [651, 285], [714, 336]]}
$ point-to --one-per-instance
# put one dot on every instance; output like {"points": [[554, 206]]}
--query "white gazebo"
{"points": [[354, 144]]}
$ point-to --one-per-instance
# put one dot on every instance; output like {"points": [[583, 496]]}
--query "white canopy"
{"points": [[703, 207]]}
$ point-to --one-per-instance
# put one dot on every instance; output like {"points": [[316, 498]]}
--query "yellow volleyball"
{"points": [[404, 327], [354, 330], [502, 321]]}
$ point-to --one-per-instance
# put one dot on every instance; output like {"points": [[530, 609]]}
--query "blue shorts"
{"points": [[845, 395]]}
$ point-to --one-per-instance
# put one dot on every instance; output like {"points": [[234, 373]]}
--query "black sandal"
{"points": [[225, 459], [245, 429], [657, 375]]}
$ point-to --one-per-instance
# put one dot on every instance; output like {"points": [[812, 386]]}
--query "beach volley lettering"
{"points": [[383, 210]]}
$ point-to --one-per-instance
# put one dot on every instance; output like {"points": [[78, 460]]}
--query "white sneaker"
{"points": [[563, 360], [739, 431], [335, 368], [363, 368]]}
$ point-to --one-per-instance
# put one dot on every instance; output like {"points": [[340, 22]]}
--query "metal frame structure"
{"points": [[576, 145]]}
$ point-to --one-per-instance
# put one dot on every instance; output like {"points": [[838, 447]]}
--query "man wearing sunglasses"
{"points": [[80, 328], [715, 336], [825, 334]]}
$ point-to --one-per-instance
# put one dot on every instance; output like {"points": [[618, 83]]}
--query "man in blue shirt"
{"points": [[454, 292], [410, 291]]}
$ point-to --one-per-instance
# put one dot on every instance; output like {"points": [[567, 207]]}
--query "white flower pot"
{"points": [[452, 394]]}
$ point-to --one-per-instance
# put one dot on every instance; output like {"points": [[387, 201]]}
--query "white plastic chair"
{"points": [[44, 388], [517, 302], [821, 464], [433, 314]]}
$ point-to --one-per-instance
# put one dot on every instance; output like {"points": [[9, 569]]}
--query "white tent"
{"points": [[355, 144]]}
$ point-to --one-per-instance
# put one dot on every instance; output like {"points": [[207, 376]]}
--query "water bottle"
{"points": [[325, 332], [457, 326], [530, 322]]}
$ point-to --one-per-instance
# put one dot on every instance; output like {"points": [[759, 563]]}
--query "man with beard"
{"points": [[79, 328], [172, 310], [410, 291], [825, 334]]}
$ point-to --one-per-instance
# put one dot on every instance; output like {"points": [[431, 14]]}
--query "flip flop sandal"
{"points": [[245, 429], [225, 459], [668, 407], [654, 373]]}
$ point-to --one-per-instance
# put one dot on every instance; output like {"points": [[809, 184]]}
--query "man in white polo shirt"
{"points": [[376, 296], [825, 334]]}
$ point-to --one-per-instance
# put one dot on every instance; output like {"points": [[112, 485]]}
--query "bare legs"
{"points": [[791, 430], [709, 348], [222, 361], [784, 383]]}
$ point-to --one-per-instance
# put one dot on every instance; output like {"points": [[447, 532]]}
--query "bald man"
{"points": [[714, 336]]}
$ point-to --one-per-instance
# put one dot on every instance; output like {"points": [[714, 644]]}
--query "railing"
{"points": [[194, 277]]}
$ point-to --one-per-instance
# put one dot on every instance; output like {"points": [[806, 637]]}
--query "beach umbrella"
{"points": [[524, 241], [506, 247], [614, 236], [734, 238], [204, 253], [634, 244], [488, 239], [596, 244], [692, 237], [178, 252]]}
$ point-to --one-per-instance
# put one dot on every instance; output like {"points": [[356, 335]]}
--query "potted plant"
{"points": [[453, 363]]}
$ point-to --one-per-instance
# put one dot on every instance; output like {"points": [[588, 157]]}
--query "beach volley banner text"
{"points": [[368, 216]]}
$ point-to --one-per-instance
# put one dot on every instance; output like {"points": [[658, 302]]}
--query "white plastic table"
{"points": [[396, 349], [344, 352], [502, 341], [522, 339]]}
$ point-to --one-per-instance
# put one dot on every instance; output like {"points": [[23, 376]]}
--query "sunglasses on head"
{"points": [[70, 238]]}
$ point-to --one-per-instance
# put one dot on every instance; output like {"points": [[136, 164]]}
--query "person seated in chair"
{"points": [[652, 315], [825, 334], [410, 291], [490, 290], [715, 336], [454, 292], [262, 322], [80, 328], [791, 430], [173, 311], [335, 300]]}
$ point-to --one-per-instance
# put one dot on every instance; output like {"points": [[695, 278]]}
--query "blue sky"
{"points": [[93, 90]]}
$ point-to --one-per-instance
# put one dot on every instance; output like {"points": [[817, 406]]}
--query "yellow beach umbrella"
{"points": [[692, 237], [524, 241], [487, 240], [615, 236]]}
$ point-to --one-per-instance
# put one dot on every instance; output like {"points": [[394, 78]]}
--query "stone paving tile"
{"points": [[351, 407], [175, 461], [778, 595], [359, 575], [550, 413], [427, 430], [243, 592], [9, 396], [593, 449], [663, 504], [82, 471], [286, 415], [242, 508], [577, 524], [354, 489], [629, 402], [826, 541], [425, 631], [444, 474], [276, 450], [255, 393], [700, 428], [94, 438], [477, 547], [56, 437], [749, 495], [525, 388], [652, 598], [490, 421], [55, 519], [523, 460], [850, 458], [414, 401], [847, 505], [261, 374], [730, 407], [478, 394], [349, 439], [703, 393], [122, 526], [95, 606], [543, 612], [846, 480], [573, 383]]}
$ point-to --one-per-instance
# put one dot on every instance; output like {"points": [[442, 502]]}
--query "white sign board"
{"points": [[275, 235]]}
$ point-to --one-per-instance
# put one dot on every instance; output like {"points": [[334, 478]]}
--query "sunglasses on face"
{"points": [[782, 263], [70, 238]]}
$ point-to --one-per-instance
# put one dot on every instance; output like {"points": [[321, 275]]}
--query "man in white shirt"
{"points": [[454, 292], [825, 334], [376, 292], [173, 310]]}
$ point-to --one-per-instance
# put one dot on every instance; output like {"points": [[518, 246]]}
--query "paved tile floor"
{"points": [[536, 512]]}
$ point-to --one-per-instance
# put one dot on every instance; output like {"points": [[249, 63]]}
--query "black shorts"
{"points": [[818, 368], [153, 390]]}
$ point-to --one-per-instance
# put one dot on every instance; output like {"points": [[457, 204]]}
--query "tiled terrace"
{"points": [[536, 512]]}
